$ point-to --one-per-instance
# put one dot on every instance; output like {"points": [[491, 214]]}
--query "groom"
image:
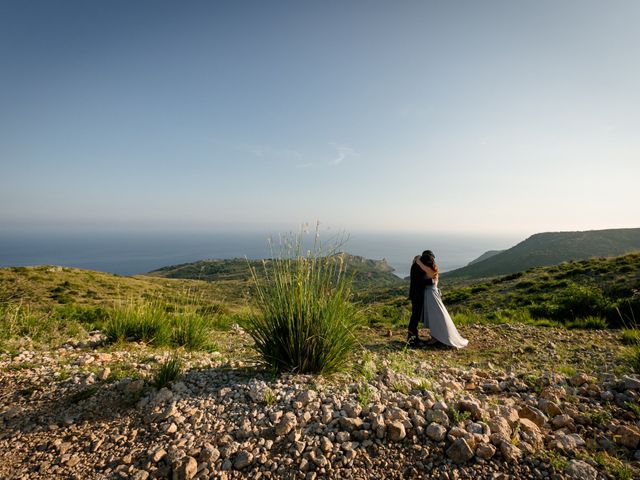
{"points": [[419, 282]]}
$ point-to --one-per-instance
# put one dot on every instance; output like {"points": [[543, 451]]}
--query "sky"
{"points": [[457, 116]]}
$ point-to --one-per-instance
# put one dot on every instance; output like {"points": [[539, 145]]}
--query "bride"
{"points": [[435, 315]]}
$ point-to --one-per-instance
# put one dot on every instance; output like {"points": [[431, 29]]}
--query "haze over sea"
{"points": [[133, 253]]}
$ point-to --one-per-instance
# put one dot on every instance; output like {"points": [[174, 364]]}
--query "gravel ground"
{"points": [[85, 412]]}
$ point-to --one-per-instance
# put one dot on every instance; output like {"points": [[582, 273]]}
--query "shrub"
{"points": [[589, 323], [457, 296], [306, 319]]}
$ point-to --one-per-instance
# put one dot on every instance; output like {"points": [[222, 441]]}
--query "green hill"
{"points": [[544, 249], [601, 287], [367, 273], [484, 256]]}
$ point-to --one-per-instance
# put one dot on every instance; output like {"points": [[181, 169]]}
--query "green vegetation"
{"points": [[544, 249], [597, 293], [306, 320], [168, 371], [365, 274]]}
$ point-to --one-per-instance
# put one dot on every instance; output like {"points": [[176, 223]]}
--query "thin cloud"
{"points": [[304, 165], [342, 153]]}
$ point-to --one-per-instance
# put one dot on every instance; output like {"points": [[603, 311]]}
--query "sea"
{"points": [[130, 253]]}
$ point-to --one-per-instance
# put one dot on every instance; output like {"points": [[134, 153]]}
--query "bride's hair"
{"points": [[429, 261]]}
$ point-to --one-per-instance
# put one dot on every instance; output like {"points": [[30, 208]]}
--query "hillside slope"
{"points": [[544, 249], [601, 287]]}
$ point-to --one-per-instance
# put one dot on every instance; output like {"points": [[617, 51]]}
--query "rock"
{"points": [[485, 451], [186, 470], [140, 475], [460, 451], [630, 383], [307, 397], [473, 407], [396, 431], [579, 379], [326, 445], [628, 436], [243, 459], [73, 461], [134, 387], [500, 425], [257, 390], [163, 395], [104, 374], [350, 424], [209, 454], [438, 416], [581, 470], [158, 455], [510, 452], [533, 414], [561, 421], [566, 443], [287, 423], [436, 432], [549, 407]]}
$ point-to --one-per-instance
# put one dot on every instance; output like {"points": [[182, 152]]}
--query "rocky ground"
{"points": [[521, 402]]}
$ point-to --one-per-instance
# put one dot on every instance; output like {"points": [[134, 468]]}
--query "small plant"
{"points": [[425, 384], [364, 394], [599, 418], [557, 462], [633, 357], [613, 466], [269, 397], [457, 416], [515, 435], [634, 407], [168, 371], [631, 336], [567, 370], [400, 387]]}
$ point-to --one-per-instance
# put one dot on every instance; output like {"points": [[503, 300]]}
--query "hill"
{"points": [[367, 273], [606, 288], [544, 249], [484, 256]]}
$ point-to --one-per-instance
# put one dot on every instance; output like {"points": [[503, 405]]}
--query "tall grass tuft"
{"points": [[144, 322], [191, 330], [150, 322], [168, 371], [306, 319]]}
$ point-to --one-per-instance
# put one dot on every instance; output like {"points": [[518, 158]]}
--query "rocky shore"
{"points": [[67, 414]]}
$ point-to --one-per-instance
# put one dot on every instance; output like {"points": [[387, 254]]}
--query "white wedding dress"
{"points": [[438, 320]]}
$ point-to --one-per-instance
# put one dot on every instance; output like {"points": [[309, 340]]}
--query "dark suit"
{"points": [[418, 283]]}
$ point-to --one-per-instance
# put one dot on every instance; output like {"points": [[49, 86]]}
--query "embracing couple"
{"points": [[426, 303]]}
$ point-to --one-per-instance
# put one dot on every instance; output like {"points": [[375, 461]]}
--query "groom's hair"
{"points": [[428, 253]]}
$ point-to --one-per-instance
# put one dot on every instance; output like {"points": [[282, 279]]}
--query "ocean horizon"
{"points": [[138, 253]]}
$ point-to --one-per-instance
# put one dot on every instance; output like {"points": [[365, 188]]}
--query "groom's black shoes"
{"points": [[413, 341]]}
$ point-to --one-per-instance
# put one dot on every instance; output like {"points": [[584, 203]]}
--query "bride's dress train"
{"points": [[438, 320]]}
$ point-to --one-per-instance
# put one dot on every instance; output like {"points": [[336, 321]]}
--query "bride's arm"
{"points": [[430, 273]]}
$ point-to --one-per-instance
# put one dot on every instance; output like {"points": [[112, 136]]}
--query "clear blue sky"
{"points": [[457, 116]]}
